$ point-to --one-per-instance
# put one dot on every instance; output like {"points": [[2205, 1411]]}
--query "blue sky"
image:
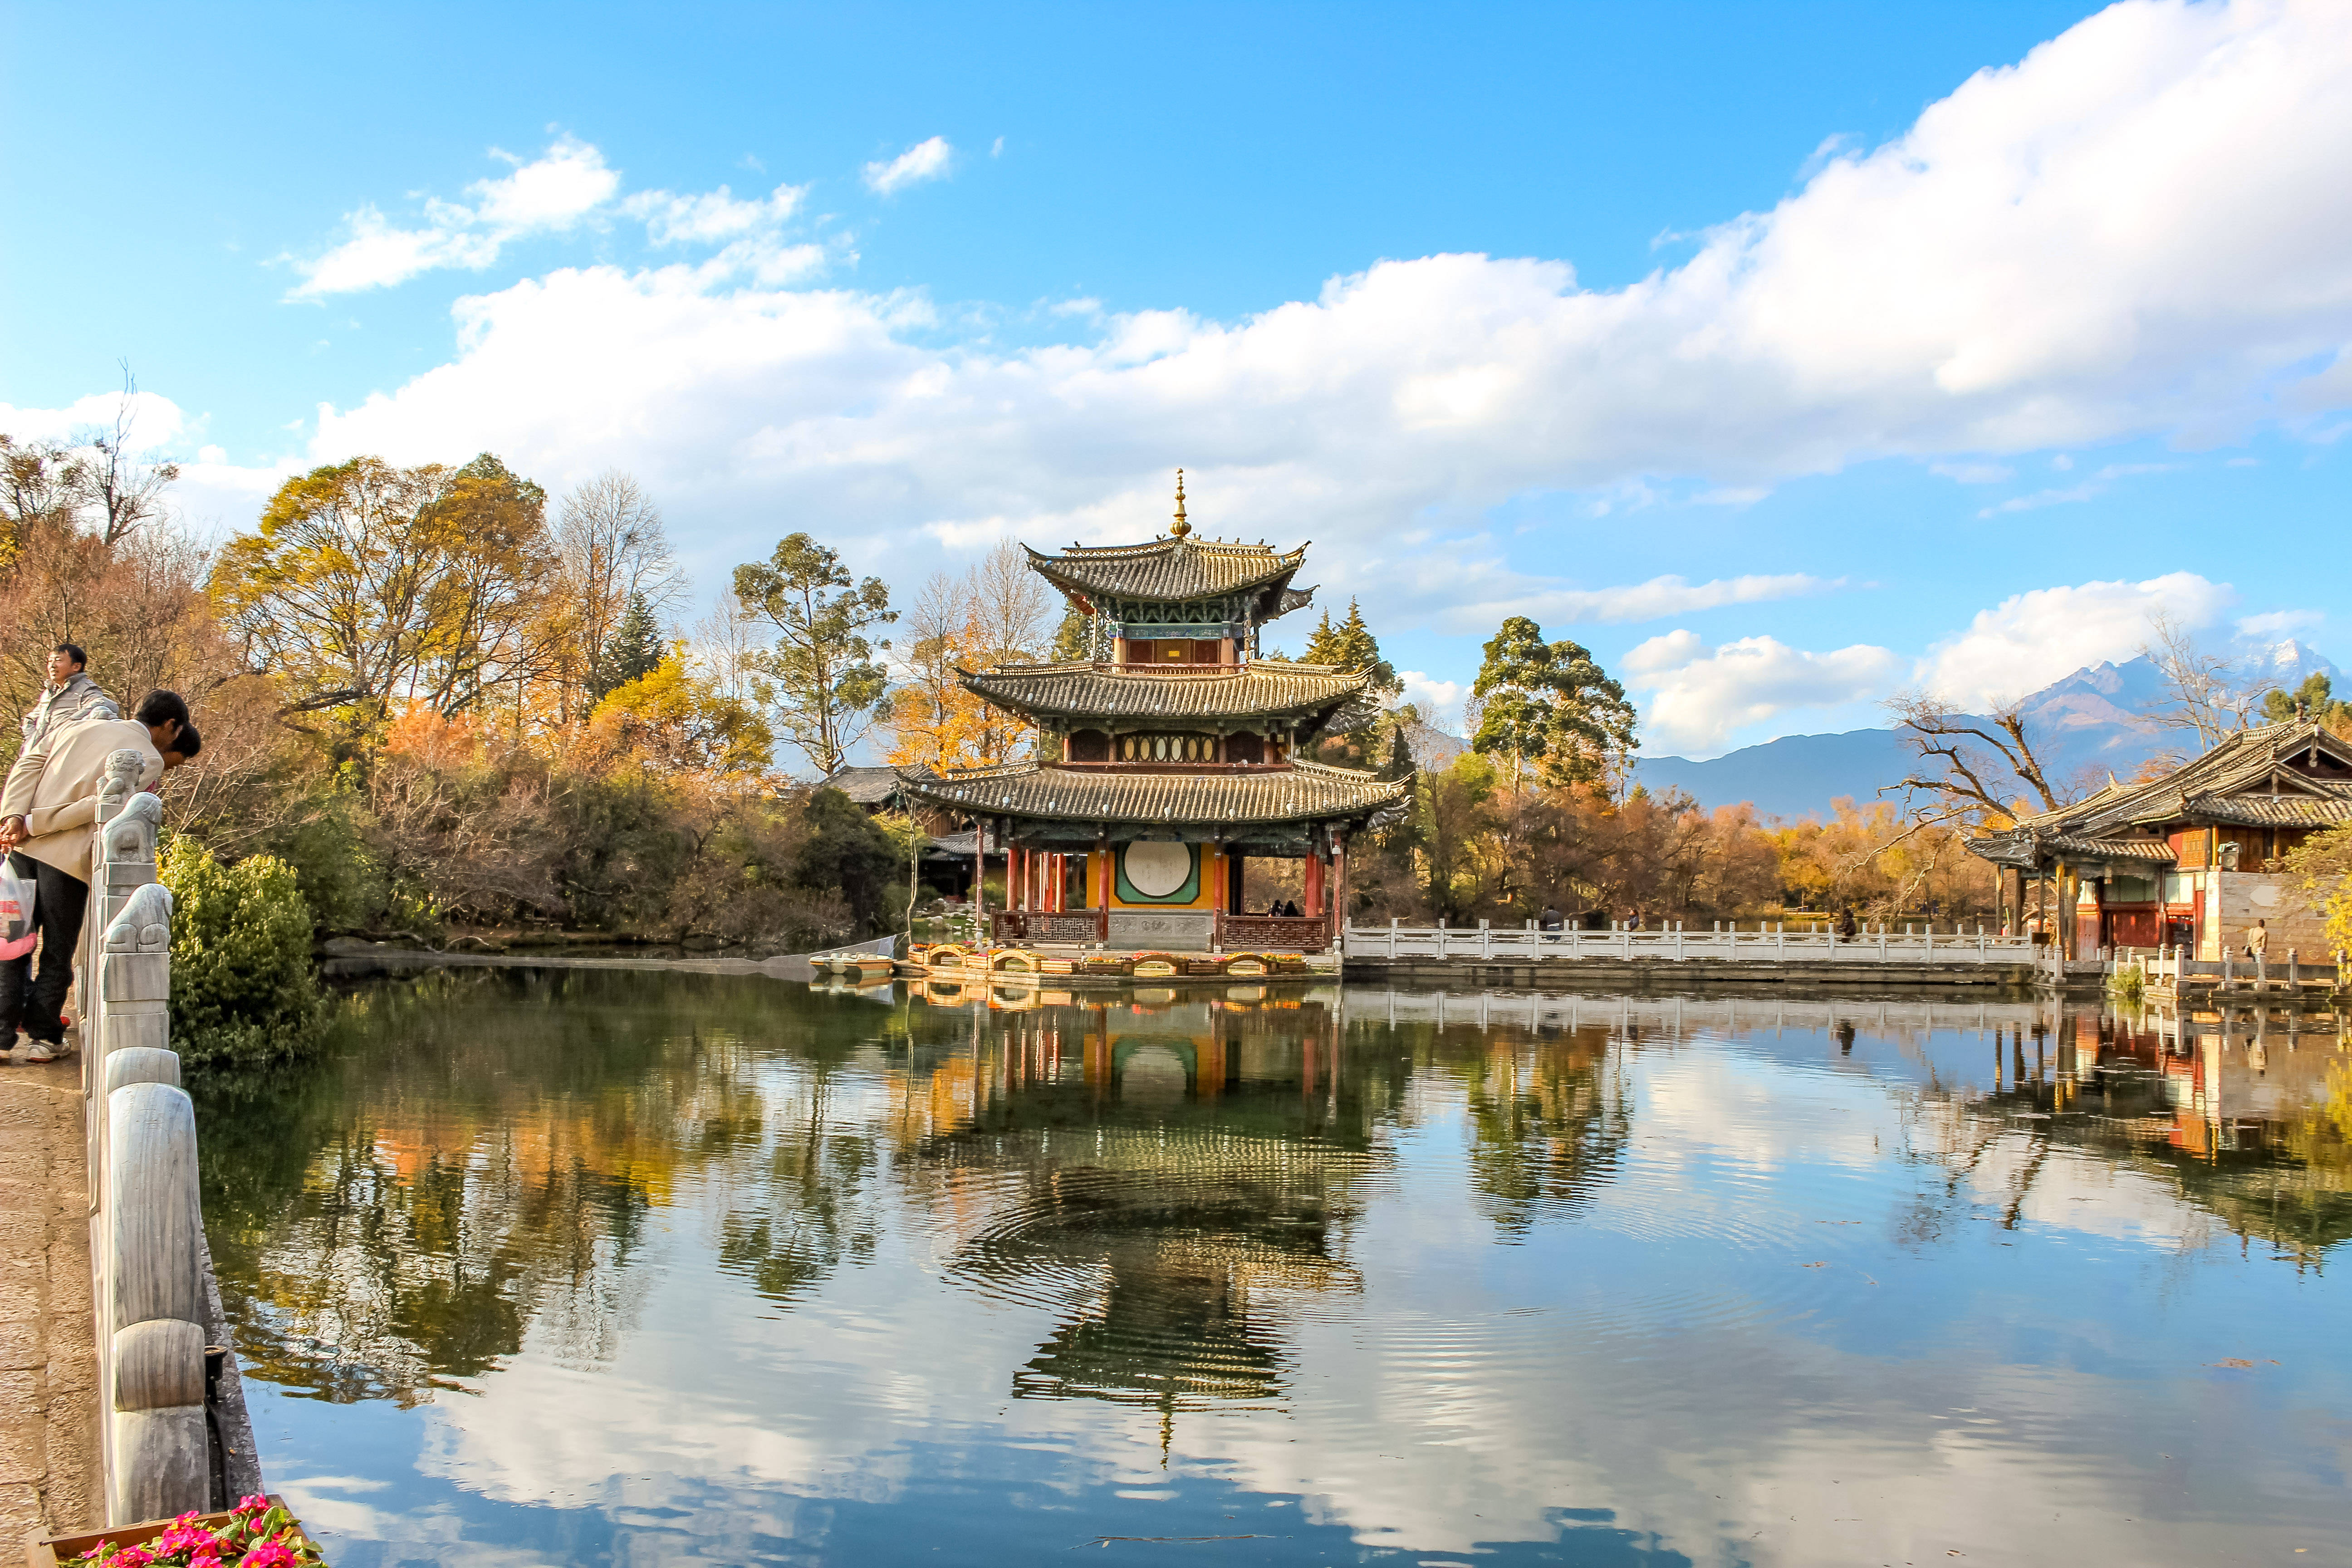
{"points": [[1774, 352]]}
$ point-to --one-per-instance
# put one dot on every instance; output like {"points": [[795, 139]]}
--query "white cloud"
{"points": [[554, 191], [1972, 473], [2031, 639], [1699, 695], [2122, 235], [2040, 499], [1660, 597], [926, 160], [155, 421], [1464, 585], [2275, 623], [1439, 702], [2095, 486], [711, 217], [549, 195]]}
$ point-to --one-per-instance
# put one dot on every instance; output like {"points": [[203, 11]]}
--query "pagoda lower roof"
{"points": [[1264, 689], [1300, 792]]}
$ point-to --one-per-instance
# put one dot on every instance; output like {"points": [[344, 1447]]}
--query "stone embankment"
{"points": [[49, 1474]]}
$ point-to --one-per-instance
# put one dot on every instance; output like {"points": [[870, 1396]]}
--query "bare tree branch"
{"points": [[1988, 761]]}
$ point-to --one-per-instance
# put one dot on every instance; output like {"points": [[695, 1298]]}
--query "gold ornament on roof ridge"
{"points": [[1179, 528]]}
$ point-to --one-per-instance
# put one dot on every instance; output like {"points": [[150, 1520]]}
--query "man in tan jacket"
{"points": [[48, 815]]}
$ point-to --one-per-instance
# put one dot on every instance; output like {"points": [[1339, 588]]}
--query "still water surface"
{"points": [[592, 1268]]}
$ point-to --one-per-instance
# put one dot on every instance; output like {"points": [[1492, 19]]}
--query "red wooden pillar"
{"points": [[1017, 876], [1339, 882], [1106, 870], [1314, 882]]}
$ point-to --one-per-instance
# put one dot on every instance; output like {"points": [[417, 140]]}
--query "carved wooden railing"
{"points": [[146, 1221], [1302, 933], [1039, 925]]}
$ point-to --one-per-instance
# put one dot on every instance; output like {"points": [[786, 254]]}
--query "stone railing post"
{"points": [[146, 1221]]}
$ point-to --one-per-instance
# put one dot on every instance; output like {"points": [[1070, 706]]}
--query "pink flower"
{"points": [[130, 1557], [256, 1503], [269, 1555], [183, 1537]]}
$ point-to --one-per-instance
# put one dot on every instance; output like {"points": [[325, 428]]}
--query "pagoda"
{"points": [[1169, 759]]}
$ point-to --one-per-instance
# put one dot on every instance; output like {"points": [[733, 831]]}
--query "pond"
{"points": [[592, 1267]]}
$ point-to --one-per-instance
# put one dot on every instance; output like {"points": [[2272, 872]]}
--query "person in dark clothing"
{"points": [[1548, 919], [1845, 926]]}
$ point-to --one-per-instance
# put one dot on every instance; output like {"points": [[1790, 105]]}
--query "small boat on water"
{"points": [[863, 960]]}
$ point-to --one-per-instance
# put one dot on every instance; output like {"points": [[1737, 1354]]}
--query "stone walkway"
{"points": [[49, 1412]]}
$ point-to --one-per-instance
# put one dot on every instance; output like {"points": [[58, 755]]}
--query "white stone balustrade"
{"points": [[1916, 942], [146, 1219]]}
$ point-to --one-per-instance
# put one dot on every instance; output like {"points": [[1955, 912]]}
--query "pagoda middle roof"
{"points": [[1301, 792], [1261, 689], [1168, 570]]}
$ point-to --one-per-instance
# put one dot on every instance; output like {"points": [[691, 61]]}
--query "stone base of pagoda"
{"points": [[1172, 931], [1072, 962]]}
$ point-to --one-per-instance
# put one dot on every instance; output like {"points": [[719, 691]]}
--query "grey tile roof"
{"points": [[2262, 811], [1302, 792], [1169, 571], [867, 786], [2154, 850], [1262, 689], [2253, 778]]}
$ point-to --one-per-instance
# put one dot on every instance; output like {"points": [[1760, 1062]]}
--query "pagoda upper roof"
{"points": [[1262, 689], [1301, 792], [1174, 569], [2295, 775]]}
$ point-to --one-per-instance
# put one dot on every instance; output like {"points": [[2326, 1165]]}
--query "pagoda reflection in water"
{"points": [[1178, 1178], [1175, 1180]]}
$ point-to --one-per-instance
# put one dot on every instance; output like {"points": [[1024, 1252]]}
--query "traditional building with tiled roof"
{"points": [[2191, 859], [1170, 759]]}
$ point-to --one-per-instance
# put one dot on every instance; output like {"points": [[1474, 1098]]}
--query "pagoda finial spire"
{"points": [[1179, 528]]}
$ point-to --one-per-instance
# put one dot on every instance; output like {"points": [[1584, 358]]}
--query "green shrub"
{"points": [[242, 985]]}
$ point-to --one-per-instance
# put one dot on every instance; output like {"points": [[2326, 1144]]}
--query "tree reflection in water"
{"points": [[1175, 1183]]}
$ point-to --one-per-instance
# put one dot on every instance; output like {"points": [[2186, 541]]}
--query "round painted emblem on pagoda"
{"points": [[1158, 868]]}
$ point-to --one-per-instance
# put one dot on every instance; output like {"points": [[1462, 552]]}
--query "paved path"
{"points": [[49, 1412]]}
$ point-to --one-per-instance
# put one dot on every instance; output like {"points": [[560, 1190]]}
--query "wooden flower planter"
{"points": [[57, 1550]]}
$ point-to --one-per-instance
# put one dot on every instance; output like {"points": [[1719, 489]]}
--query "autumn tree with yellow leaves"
{"points": [[997, 613]]}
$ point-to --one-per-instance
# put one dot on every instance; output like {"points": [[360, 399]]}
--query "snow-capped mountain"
{"points": [[2092, 723]]}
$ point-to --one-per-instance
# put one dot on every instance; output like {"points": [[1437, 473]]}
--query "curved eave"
{"points": [[1303, 791]]}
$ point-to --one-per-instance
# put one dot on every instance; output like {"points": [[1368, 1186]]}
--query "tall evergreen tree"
{"points": [[1351, 646], [1400, 764], [633, 652], [1550, 703]]}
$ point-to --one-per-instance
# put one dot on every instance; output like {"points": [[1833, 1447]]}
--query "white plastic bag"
{"points": [[18, 929]]}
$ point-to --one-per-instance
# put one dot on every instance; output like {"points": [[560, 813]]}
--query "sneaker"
{"points": [[38, 1051]]}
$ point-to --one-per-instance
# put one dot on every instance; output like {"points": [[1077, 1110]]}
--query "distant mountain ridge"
{"points": [[2092, 720]]}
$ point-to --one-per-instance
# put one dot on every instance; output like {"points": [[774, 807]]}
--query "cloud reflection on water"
{"points": [[1744, 1296]]}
